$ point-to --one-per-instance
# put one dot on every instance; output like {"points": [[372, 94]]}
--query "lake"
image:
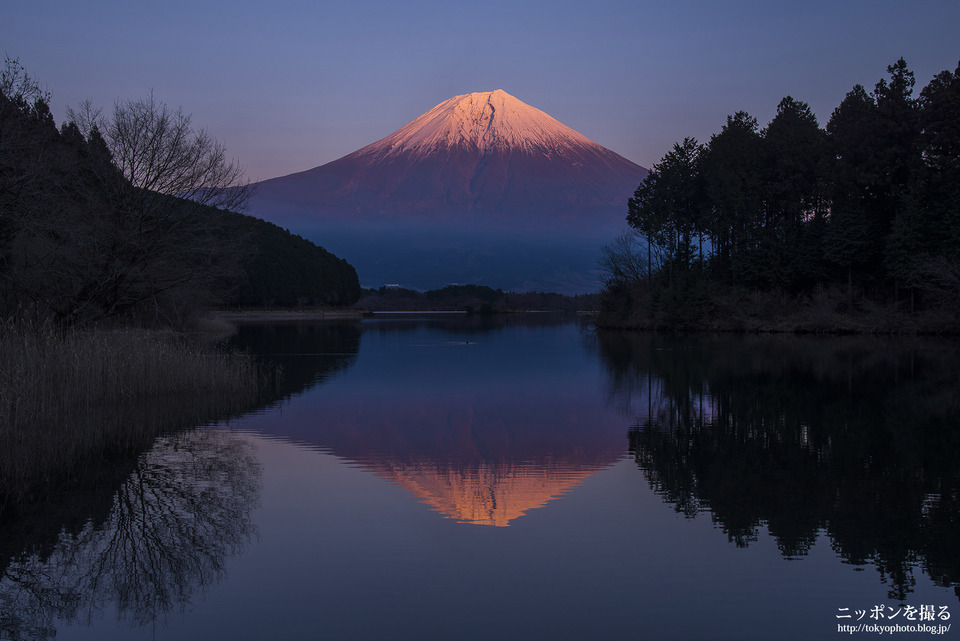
{"points": [[522, 477]]}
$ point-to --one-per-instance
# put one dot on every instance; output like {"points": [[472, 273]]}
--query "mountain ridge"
{"points": [[473, 119], [483, 157], [480, 189]]}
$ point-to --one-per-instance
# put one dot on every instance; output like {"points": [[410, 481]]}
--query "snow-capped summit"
{"points": [[480, 158], [483, 188], [483, 121]]}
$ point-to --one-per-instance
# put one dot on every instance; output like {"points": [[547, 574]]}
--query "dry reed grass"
{"points": [[70, 398]]}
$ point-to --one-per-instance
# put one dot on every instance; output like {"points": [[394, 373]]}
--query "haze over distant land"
{"points": [[482, 188]]}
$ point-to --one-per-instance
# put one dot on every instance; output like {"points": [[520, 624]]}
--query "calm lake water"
{"points": [[455, 477]]}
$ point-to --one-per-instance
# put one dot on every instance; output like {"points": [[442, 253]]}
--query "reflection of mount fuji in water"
{"points": [[490, 494], [476, 447], [469, 459]]}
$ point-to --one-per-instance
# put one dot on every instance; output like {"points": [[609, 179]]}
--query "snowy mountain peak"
{"points": [[485, 158], [483, 121], [482, 188]]}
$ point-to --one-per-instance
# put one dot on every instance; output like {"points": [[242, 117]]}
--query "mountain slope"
{"points": [[481, 189], [480, 158]]}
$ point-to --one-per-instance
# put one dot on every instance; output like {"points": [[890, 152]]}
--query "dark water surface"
{"points": [[454, 477]]}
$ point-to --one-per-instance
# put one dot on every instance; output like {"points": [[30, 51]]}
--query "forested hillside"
{"points": [[127, 217], [289, 271], [857, 220]]}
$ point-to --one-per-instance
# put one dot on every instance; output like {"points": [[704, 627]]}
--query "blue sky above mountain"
{"points": [[293, 85]]}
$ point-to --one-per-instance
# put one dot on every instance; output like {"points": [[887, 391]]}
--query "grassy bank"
{"points": [[70, 399]]}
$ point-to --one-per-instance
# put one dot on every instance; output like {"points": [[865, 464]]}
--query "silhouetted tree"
{"points": [[94, 227], [794, 153], [872, 202], [167, 186], [899, 156], [173, 523], [936, 272], [134, 216], [668, 207], [627, 259], [854, 239], [732, 171]]}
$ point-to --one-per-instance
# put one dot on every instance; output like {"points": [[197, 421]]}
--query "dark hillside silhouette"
{"points": [[128, 218]]}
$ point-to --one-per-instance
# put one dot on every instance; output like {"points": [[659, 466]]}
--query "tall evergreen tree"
{"points": [[732, 168], [794, 148], [872, 201], [669, 207], [940, 123], [898, 127], [853, 243], [900, 158], [645, 213]]}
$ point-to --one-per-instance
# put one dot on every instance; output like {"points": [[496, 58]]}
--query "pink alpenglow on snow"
{"points": [[481, 159], [486, 122]]}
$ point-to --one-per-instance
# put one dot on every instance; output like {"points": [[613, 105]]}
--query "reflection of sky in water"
{"points": [[342, 554], [423, 362], [480, 426], [536, 384]]}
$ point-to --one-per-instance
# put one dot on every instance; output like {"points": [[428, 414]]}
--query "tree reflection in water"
{"points": [[857, 438], [182, 511]]}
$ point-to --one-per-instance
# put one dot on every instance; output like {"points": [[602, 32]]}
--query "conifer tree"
{"points": [[940, 123], [668, 208], [853, 241], [732, 167], [794, 152]]}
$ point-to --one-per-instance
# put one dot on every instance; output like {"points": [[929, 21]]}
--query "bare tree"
{"points": [[119, 214], [17, 85], [166, 244], [157, 149], [628, 259], [182, 512]]}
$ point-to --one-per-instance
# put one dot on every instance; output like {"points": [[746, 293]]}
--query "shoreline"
{"points": [[348, 314], [798, 324], [285, 314]]}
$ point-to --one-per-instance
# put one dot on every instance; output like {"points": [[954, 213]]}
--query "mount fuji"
{"points": [[482, 188]]}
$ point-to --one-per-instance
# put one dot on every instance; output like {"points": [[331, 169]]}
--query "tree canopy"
{"points": [[869, 203]]}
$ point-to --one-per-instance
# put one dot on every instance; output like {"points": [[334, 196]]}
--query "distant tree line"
{"points": [[133, 216], [868, 206], [479, 299]]}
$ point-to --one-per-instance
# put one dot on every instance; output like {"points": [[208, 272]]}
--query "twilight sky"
{"points": [[289, 85]]}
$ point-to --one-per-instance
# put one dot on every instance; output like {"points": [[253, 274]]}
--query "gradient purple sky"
{"points": [[291, 85]]}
